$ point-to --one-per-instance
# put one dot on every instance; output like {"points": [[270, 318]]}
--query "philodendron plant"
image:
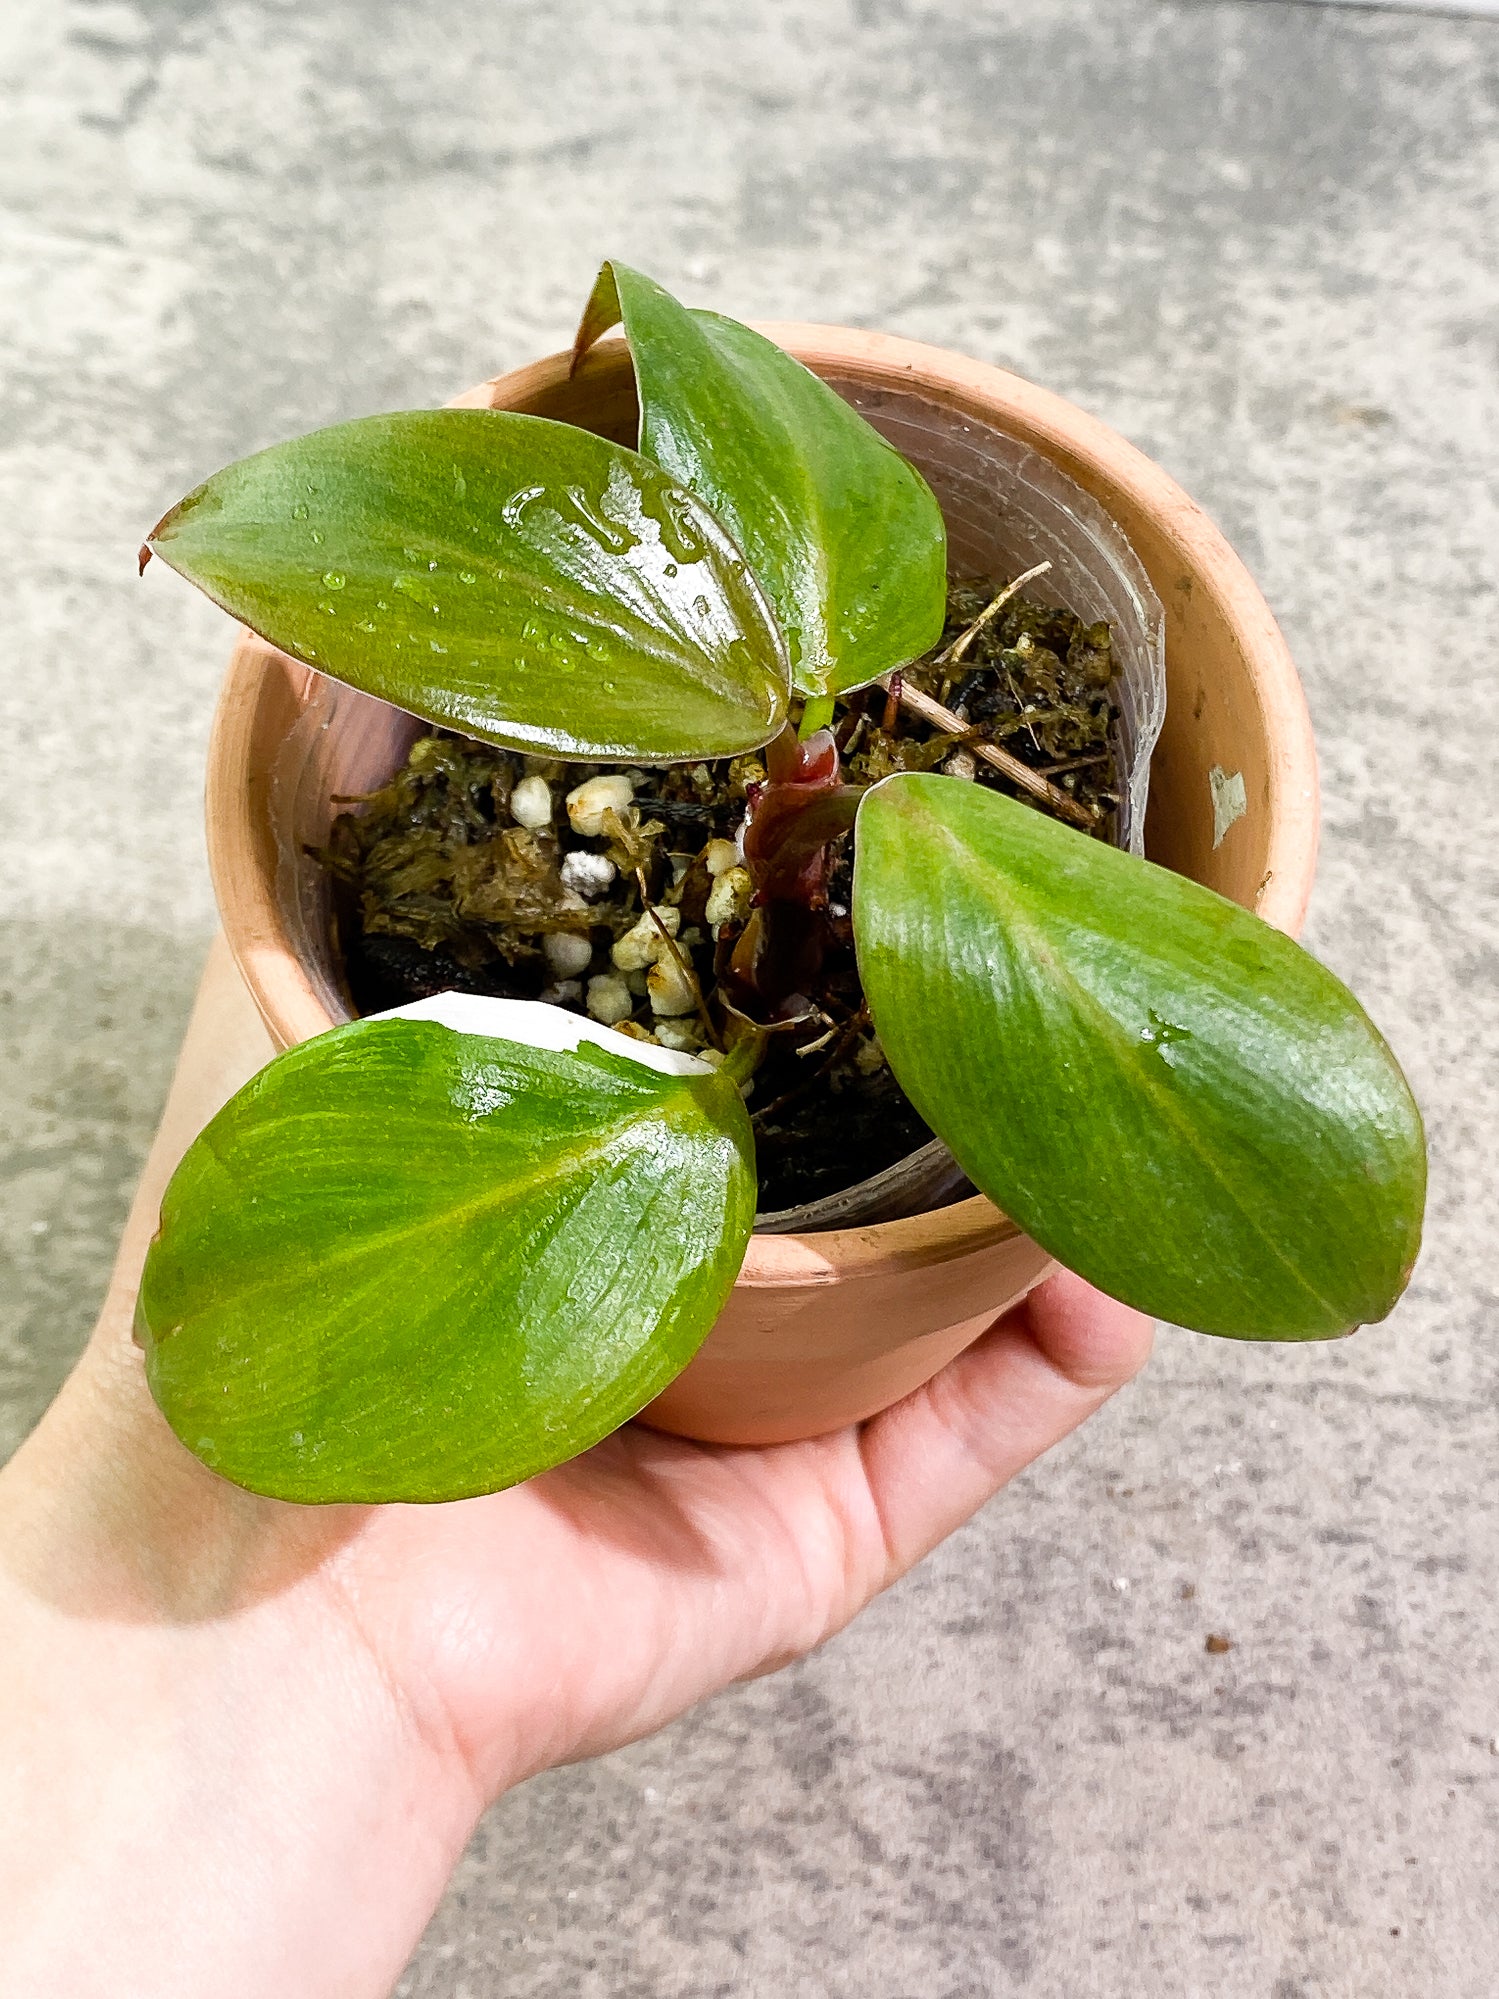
{"points": [[420, 1258]]}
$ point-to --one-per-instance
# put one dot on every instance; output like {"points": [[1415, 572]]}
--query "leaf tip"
{"points": [[162, 531], [601, 312]]}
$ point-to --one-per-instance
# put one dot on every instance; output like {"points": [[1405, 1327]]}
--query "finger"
{"points": [[933, 1459]]}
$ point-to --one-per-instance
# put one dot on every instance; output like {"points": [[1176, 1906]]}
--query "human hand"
{"points": [[592, 1605], [292, 1716]]}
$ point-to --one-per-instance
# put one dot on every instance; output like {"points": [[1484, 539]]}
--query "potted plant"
{"points": [[415, 1261]]}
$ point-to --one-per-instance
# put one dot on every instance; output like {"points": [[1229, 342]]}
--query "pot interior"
{"points": [[1007, 507]]}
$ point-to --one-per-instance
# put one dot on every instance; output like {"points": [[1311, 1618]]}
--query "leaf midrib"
{"points": [[668, 643]]}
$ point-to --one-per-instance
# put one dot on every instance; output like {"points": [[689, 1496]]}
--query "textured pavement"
{"points": [[1260, 239]]}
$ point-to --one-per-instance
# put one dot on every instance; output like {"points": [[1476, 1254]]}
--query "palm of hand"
{"points": [[607, 1596]]}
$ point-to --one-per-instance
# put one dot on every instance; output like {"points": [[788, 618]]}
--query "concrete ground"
{"points": [[1258, 238]]}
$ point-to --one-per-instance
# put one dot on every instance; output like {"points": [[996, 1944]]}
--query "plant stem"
{"points": [[817, 714], [743, 1058]]}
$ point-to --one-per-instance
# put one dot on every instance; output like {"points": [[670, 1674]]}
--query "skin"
{"points": [[243, 1743]]}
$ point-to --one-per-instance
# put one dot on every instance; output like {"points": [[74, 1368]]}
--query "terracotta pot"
{"points": [[822, 1329]]}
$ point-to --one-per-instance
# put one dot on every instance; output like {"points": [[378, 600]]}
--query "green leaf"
{"points": [[1170, 1096], [843, 533], [514, 578], [406, 1263]]}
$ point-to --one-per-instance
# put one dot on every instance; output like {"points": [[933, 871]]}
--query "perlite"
{"points": [[642, 945], [593, 798]]}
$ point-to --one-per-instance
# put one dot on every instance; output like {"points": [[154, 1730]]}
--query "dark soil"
{"points": [[439, 888]]}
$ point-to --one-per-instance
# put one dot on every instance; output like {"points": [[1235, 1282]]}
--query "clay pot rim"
{"points": [[284, 996]]}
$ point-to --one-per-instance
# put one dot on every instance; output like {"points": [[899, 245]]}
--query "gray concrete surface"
{"points": [[1260, 239]]}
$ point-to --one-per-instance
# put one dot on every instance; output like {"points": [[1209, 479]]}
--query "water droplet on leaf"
{"points": [[679, 533], [516, 505], [418, 587], [609, 534], [1161, 1034]]}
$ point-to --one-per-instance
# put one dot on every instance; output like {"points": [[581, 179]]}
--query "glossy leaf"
{"points": [[517, 579], [842, 531], [1173, 1098], [406, 1263]]}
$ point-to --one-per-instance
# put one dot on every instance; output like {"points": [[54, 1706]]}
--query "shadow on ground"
{"points": [[89, 1026]]}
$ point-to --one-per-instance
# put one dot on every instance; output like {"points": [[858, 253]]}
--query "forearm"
{"points": [[208, 1781], [237, 1804]]}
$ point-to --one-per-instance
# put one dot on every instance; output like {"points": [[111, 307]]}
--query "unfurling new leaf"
{"points": [[842, 531]]}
